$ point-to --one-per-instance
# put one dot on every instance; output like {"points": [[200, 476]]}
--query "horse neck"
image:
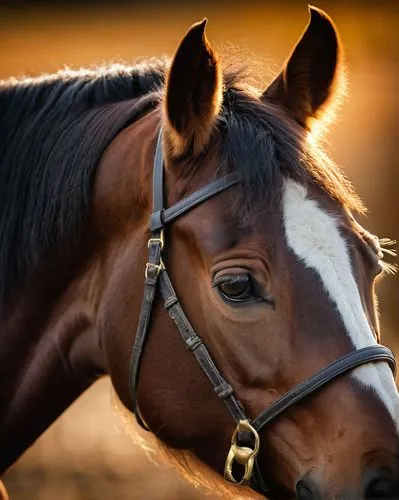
{"points": [[50, 342], [39, 350]]}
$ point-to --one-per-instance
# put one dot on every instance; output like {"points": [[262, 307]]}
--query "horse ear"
{"points": [[309, 80], [194, 92]]}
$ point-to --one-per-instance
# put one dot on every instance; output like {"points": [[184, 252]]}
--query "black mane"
{"points": [[265, 147], [55, 128], [53, 131]]}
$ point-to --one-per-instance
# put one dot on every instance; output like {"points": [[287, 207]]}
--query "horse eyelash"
{"points": [[227, 278]]}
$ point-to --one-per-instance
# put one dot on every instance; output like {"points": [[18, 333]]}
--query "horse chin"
{"points": [[188, 466]]}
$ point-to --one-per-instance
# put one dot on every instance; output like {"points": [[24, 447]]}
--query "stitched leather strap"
{"points": [[150, 286], [157, 178], [162, 217], [320, 379], [196, 346]]}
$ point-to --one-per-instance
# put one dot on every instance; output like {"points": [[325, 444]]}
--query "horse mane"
{"points": [[54, 129], [266, 147]]}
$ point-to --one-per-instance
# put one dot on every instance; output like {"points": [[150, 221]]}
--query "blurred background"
{"points": [[86, 455]]}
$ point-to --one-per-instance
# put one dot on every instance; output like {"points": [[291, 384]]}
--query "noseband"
{"points": [[245, 442]]}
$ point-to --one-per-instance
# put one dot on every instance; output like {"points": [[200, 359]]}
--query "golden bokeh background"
{"points": [[85, 455]]}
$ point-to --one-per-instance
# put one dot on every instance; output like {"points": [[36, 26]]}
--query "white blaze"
{"points": [[312, 234]]}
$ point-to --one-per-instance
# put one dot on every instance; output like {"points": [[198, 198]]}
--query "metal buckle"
{"points": [[157, 241], [241, 454], [158, 268]]}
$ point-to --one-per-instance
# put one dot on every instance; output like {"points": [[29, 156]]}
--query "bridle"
{"points": [[245, 442]]}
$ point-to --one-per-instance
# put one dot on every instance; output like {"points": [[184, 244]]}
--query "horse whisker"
{"points": [[389, 252], [389, 268]]}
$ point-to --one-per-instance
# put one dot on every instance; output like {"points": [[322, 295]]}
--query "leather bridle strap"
{"points": [[246, 439], [153, 269], [161, 218], [196, 346], [343, 365], [371, 354], [150, 286]]}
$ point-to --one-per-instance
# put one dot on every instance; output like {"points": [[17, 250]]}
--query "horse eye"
{"points": [[235, 288]]}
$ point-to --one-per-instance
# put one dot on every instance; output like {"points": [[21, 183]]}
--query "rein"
{"points": [[245, 442]]}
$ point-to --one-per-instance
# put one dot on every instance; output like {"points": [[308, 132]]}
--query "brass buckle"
{"points": [[154, 241], [158, 268], [241, 454]]}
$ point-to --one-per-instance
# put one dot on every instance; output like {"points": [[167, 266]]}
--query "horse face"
{"points": [[277, 299], [277, 287]]}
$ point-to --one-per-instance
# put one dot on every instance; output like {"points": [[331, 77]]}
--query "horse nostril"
{"points": [[382, 488], [304, 491]]}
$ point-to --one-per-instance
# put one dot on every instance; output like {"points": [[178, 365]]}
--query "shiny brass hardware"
{"points": [[160, 240], [158, 268], [243, 455]]}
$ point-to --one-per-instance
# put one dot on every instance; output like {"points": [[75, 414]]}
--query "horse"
{"points": [[182, 180]]}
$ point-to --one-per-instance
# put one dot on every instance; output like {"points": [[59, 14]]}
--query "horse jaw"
{"points": [[187, 465]]}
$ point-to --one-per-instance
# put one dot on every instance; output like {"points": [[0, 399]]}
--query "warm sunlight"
{"points": [[86, 454]]}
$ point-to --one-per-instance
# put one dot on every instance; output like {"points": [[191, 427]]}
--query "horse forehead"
{"points": [[223, 225], [313, 235]]}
